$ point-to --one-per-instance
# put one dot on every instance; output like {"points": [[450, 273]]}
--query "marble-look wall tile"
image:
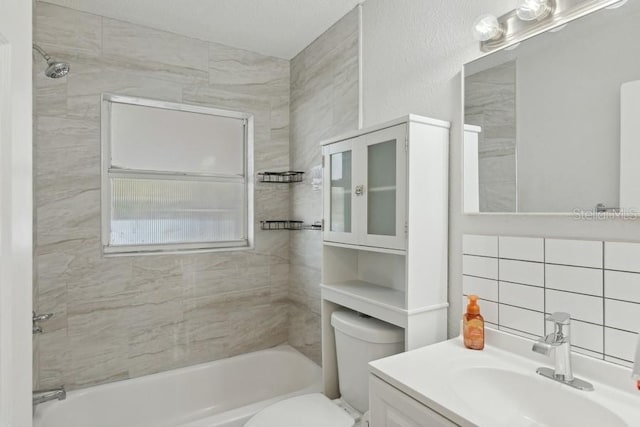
{"points": [[67, 32], [122, 317], [141, 44], [490, 97], [324, 103]]}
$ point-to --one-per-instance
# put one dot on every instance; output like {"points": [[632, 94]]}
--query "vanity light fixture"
{"points": [[533, 17], [534, 10], [617, 5], [486, 27]]}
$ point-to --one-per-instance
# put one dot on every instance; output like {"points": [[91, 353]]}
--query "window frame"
{"points": [[107, 172]]}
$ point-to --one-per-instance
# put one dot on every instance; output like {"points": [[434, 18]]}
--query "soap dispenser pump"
{"points": [[473, 325]]}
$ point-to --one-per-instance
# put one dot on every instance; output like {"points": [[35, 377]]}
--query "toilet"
{"points": [[359, 340]]}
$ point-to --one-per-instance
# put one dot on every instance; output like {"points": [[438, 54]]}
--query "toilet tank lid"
{"points": [[367, 329]]}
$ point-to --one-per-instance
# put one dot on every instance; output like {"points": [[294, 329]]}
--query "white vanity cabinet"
{"points": [[385, 236], [389, 407]]}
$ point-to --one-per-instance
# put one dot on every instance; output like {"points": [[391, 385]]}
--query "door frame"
{"points": [[16, 244]]}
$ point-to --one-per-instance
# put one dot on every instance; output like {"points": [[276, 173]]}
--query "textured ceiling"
{"points": [[279, 28]]}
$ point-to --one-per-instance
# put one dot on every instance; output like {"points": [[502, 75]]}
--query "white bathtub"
{"points": [[225, 393]]}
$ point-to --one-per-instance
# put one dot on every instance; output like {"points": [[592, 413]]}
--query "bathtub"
{"points": [[224, 393]]}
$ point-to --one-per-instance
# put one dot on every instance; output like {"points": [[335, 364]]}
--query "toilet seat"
{"points": [[309, 410]]}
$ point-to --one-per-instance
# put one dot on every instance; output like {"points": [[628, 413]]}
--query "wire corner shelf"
{"points": [[286, 177]]}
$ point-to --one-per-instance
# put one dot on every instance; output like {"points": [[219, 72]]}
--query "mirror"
{"points": [[553, 125]]}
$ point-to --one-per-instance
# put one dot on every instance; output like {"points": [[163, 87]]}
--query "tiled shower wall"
{"points": [[324, 103], [122, 317], [490, 102], [520, 279]]}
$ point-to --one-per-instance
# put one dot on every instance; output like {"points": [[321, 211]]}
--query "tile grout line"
{"points": [[498, 280], [604, 314], [544, 285]]}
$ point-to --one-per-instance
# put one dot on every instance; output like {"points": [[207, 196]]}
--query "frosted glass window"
{"points": [[145, 211], [175, 177]]}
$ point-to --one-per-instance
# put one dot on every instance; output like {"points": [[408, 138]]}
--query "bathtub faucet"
{"points": [[41, 396]]}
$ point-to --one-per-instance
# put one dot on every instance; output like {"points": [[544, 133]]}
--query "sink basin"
{"points": [[518, 400], [499, 386]]}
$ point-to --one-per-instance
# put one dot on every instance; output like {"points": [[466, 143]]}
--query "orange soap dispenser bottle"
{"points": [[473, 325]]}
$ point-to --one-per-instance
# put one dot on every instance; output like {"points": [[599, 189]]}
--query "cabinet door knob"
{"points": [[359, 190]]}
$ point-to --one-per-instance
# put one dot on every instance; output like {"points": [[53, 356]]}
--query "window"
{"points": [[175, 177]]}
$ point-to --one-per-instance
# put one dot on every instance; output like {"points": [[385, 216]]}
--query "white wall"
{"points": [[412, 56], [16, 223]]}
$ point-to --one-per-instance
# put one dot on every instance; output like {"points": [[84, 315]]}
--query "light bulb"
{"points": [[531, 10], [486, 27]]}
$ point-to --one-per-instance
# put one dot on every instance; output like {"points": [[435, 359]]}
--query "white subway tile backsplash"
{"points": [[618, 361], [522, 248], [581, 307], [622, 256], [531, 297], [586, 352], [574, 279], [480, 266], [520, 319], [486, 289], [620, 344], [519, 333], [527, 273], [622, 286], [581, 253], [521, 279], [480, 245], [489, 311], [622, 315], [585, 335]]}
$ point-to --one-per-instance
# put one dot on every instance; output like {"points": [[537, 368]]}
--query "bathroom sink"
{"points": [[499, 386], [528, 399]]}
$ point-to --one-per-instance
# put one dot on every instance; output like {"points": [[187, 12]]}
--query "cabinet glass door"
{"points": [[339, 207], [381, 203], [385, 191], [340, 217]]}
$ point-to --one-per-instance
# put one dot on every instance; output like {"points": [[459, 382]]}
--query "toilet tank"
{"points": [[359, 340]]}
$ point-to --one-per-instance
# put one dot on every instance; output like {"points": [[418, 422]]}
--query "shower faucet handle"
{"points": [[41, 317], [37, 329]]}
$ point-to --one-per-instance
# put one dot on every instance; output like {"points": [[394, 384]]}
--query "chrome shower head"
{"points": [[55, 69]]}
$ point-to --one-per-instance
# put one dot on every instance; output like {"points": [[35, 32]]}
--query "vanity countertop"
{"points": [[499, 386]]}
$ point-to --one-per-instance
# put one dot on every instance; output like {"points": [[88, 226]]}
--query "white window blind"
{"points": [[174, 177]]}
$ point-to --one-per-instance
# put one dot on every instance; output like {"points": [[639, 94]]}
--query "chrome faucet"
{"points": [[37, 318], [560, 343], [41, 396]]}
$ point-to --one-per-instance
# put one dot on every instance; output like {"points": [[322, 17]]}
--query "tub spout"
{"points": [[41, 396]]}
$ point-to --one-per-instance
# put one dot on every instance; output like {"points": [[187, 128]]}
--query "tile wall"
{"points": [[123, 317], [324, 103], [490, 102], [520, 279]]}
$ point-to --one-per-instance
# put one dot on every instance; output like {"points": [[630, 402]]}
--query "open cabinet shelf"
{"points": [[373, 300]]}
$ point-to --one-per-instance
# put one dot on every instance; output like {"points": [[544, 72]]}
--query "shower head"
{"points": [[55, 69]]}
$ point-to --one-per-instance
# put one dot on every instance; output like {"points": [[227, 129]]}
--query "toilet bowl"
{"points": [[359, 340]]}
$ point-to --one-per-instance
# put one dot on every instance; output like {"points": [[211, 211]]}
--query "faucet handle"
{"points": [[559, 318]]}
